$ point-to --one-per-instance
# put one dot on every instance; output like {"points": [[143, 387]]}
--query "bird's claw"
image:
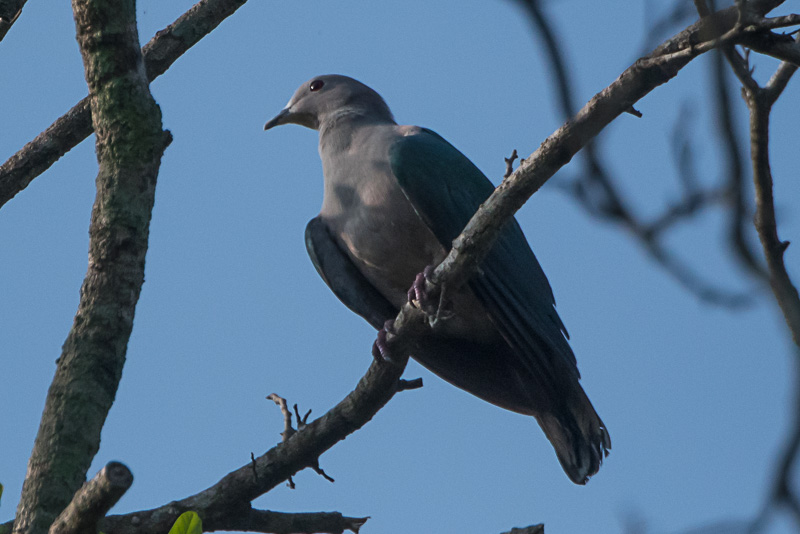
{"points": [[418, 296], [417, 291], [380, 349]]}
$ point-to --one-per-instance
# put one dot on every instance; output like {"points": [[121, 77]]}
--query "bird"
{"points": [[395, 197]]}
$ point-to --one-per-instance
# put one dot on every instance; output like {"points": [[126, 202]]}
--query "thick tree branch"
{"points": [[93, 501], [76, 125], [129, 146]]}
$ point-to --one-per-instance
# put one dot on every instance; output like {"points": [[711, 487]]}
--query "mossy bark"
{"points": [[130, 143]]}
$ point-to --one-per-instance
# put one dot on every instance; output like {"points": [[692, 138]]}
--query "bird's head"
{"points": [[323, 100]]}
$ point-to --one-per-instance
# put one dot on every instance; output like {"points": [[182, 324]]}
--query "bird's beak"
{"points": [[281, 118]]}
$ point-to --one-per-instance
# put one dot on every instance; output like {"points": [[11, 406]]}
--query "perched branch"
{"points": [[76, 125], [129, 146], [93, 501]]}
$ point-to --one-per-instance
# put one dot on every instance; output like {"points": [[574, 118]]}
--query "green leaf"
{"points": [[187, 523], [1, 491]]}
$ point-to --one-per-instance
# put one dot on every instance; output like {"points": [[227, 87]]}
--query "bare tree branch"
{"points": [[129, 146], [76, 125], [93, 501]]}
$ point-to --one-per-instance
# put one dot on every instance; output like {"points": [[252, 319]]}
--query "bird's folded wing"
{"points": [[344, 279], [446, 189]]}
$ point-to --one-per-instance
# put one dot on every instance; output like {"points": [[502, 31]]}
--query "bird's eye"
{"points": [[316, 85]]}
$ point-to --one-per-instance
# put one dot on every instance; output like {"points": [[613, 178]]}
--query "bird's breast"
{"points": [[383, 235]]}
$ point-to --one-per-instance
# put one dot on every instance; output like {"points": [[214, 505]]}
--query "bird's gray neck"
{"points": [[336, 129]]}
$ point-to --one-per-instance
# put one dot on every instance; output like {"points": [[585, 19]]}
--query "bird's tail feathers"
{"points": [[579, 437]]}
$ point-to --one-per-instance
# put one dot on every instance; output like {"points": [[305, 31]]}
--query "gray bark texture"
{"points": [[129, 146]]}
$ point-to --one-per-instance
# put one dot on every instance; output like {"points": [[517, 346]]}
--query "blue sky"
{"points": [[697, 398]]}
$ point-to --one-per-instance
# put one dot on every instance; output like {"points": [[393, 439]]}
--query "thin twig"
{"points": [[289, 431], [405, 385], [510, 163]]}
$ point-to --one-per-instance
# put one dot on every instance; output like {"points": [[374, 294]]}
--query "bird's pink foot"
{"points": [[418, 295], [380, 349], [432, 304]]}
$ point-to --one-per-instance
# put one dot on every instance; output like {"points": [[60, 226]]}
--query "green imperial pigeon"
{"points": [[395, 198]]}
